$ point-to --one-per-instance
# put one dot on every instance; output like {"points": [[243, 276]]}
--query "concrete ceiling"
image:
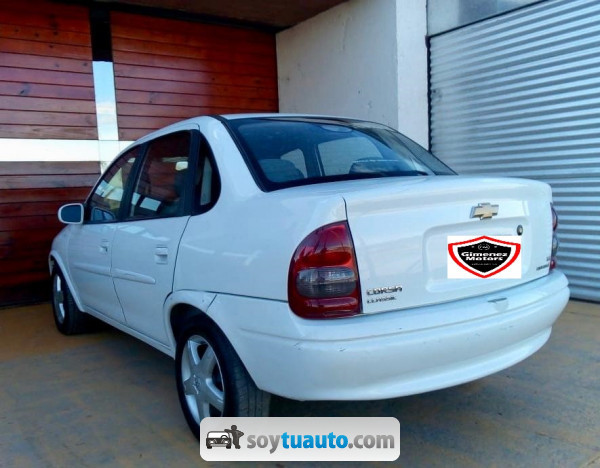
{"points": [[276, 14]]}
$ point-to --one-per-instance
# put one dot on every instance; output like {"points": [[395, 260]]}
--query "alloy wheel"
{"points": [[58, 297], [202, 379]]}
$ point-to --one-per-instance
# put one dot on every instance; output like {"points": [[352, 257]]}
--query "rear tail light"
{"points": [[323, 279], [555, 242]]}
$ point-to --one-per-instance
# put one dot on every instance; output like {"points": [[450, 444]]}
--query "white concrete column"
{"points": [[413, 105], [363, 58]]}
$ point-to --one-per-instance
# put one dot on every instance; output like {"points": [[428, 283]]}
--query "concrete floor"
{"points": [[108, 400]]}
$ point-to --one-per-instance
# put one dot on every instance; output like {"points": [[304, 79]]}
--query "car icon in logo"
{"points": [[218, 439]]}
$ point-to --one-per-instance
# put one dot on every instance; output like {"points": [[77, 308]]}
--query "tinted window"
{"points": [[105, 202], [159, 190], [284, 152]]}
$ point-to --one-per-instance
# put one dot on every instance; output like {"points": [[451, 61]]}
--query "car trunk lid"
{"points": [[400, 230]]}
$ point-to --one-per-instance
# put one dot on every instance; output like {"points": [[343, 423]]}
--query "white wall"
{"points": [[364, 59], [413, 100]]}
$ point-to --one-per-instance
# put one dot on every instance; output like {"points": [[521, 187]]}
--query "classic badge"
{"points": [[484, 256]]}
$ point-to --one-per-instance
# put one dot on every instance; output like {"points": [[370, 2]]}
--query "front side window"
{"points": [[284, 152], [106, 199], [160, 188]]}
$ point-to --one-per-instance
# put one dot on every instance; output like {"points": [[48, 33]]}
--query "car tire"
{"points": [[68, 318], [212, 380]]}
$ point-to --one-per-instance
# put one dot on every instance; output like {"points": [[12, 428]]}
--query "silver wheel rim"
{"points": [[202, 379], [59, 299]]}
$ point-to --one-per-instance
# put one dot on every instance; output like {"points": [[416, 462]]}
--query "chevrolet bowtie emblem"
{"points": [[484, 211]]}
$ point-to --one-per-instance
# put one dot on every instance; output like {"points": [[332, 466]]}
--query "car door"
{"points": [[91, 243], [146, 242]]}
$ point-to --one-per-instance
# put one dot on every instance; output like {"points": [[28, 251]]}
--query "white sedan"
{"points": [[308, 257]]}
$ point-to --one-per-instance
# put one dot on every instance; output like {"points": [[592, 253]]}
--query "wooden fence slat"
{"points": [[48, 167], [169, 86], [43, 181], [43, 34], [37, 62], [39, 90], [64, 195], [44, 131]]}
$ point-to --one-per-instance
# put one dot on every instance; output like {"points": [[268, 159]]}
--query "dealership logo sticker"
{"points": [[484, 257], [300, 439]]}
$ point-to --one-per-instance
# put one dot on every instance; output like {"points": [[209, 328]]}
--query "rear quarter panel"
{"points": [[244, 244]]}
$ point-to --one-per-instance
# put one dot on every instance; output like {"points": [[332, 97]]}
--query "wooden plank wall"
{"points": [[46, 83], [167, 70], [30, 195], [46, 91]]}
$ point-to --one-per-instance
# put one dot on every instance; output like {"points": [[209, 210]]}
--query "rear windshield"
{"points": [[284, 152]]}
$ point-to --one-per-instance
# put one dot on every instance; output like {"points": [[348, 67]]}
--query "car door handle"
{"points": [[161, 255], [103, 246]]}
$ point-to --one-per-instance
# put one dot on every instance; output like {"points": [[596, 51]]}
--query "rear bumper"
{"points": [[390, 354]]}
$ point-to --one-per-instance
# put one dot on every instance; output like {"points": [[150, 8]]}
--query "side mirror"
{"points": [[71, 213]]}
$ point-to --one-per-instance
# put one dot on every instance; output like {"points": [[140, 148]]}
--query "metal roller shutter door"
{"points": [[519, 95]]}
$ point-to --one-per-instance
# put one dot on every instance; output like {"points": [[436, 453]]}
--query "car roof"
{"points": [[282, 115], [197, 120]]}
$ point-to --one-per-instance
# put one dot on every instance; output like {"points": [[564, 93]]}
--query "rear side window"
{"points": [[284, 152], [160, 187]]}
